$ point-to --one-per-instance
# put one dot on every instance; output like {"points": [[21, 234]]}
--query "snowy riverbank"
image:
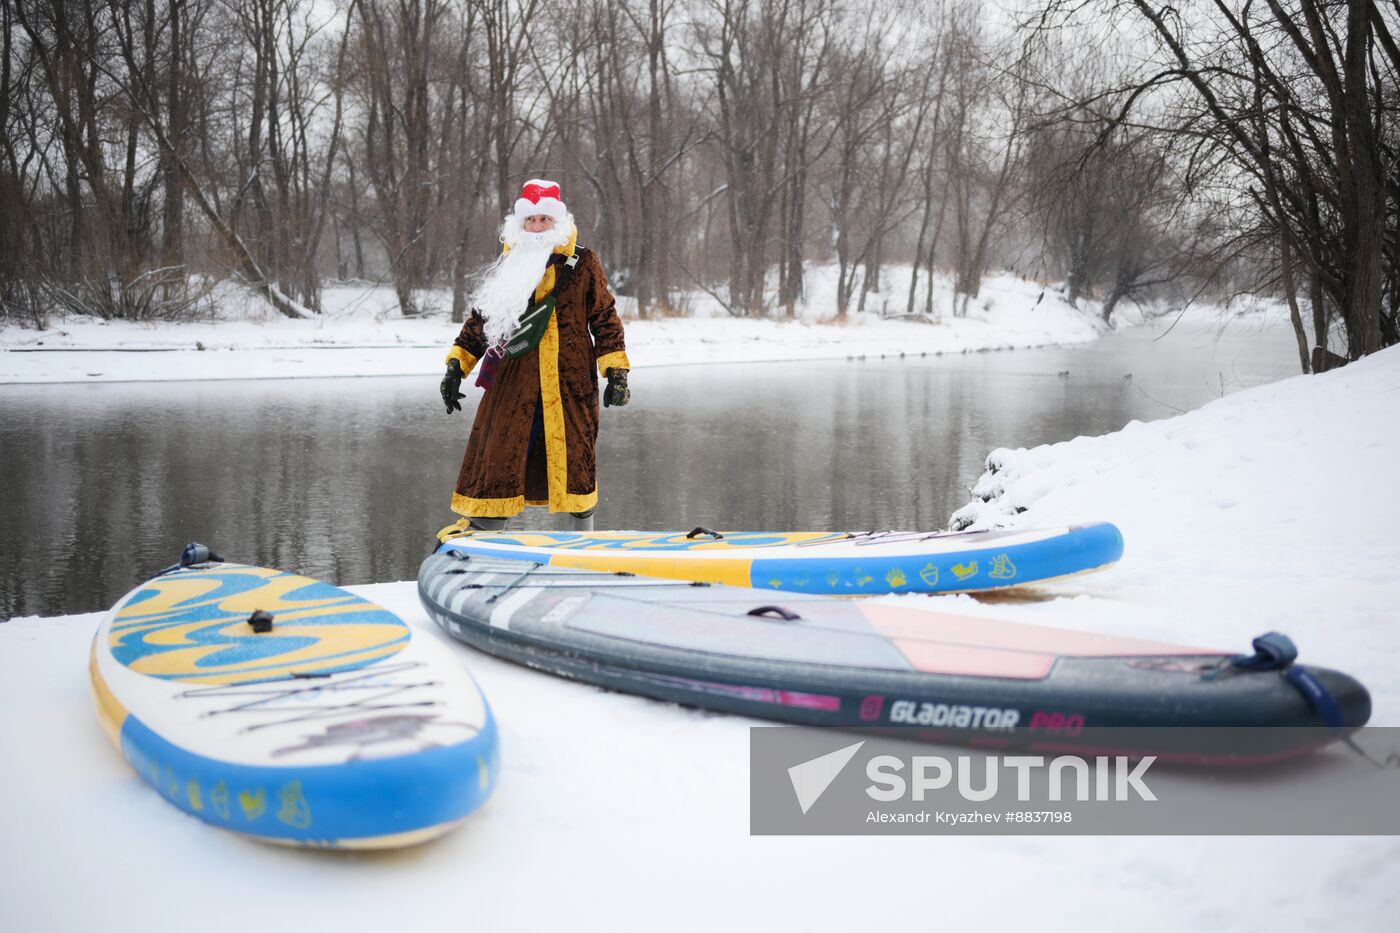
{"points": [[1274, 508], [361, 334]]}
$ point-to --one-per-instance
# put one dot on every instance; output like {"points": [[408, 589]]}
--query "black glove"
{"points": [[452, 386], [617, 392]]}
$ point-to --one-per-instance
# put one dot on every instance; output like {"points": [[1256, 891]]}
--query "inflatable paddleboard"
{"points": [[840, 662], [289, 710], [825, 563]]}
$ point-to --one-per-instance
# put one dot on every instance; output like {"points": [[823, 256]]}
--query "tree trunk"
{"points": [[355, 221], [919, 251], [1317, 297], [173, 210], [1366, 226], [1119, 291], [1290, 292]]}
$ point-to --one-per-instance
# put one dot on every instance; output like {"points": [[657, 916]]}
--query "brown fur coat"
{"points": [[501, 473]]}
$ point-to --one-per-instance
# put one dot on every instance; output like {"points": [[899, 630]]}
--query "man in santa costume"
{"points": [[542, 322]]}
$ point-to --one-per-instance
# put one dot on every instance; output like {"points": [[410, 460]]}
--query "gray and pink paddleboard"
{"points": [[933, 675]]}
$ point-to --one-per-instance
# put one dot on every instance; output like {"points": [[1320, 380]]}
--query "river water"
{"points": [[347, 479]]}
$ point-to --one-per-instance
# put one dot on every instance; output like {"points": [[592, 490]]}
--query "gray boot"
{"points": [[583, 521], [487, 524]]}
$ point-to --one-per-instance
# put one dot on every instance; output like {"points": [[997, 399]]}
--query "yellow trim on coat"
{"points": [[487, 508], [556, 445], [463, 358], [614, 360]]}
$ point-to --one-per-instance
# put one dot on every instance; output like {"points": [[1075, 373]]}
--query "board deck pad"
{"points": [[842, 662], [826, 563], [337, 728]]}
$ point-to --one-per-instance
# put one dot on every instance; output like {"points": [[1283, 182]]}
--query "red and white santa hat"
{"points": [[540, 196]]}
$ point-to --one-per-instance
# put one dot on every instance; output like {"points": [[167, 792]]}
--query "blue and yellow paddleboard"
{"points": [[337, 726], [824, 563]]}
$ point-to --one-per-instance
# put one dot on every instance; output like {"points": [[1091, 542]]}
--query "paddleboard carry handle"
{"points": [[193, 555], [775, 612], [261, 621], [1275, 651], [699, 530]]}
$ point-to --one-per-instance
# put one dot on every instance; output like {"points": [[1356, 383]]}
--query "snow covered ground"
{"points": [[1274, 508], [361, 334]]}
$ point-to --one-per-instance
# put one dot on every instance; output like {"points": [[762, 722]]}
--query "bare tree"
{"points": [[288, 150], [396, 45], [1110, 205], [867, 105], [985, 149], [1288, 110], [721, 145], [746, 44], [929, 148], [69, 39]]}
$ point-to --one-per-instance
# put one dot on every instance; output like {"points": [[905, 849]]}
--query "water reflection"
{"points": [[347, 479]]}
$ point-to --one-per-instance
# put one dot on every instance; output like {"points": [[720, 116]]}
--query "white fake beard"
{"points": [[510, 282]]}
